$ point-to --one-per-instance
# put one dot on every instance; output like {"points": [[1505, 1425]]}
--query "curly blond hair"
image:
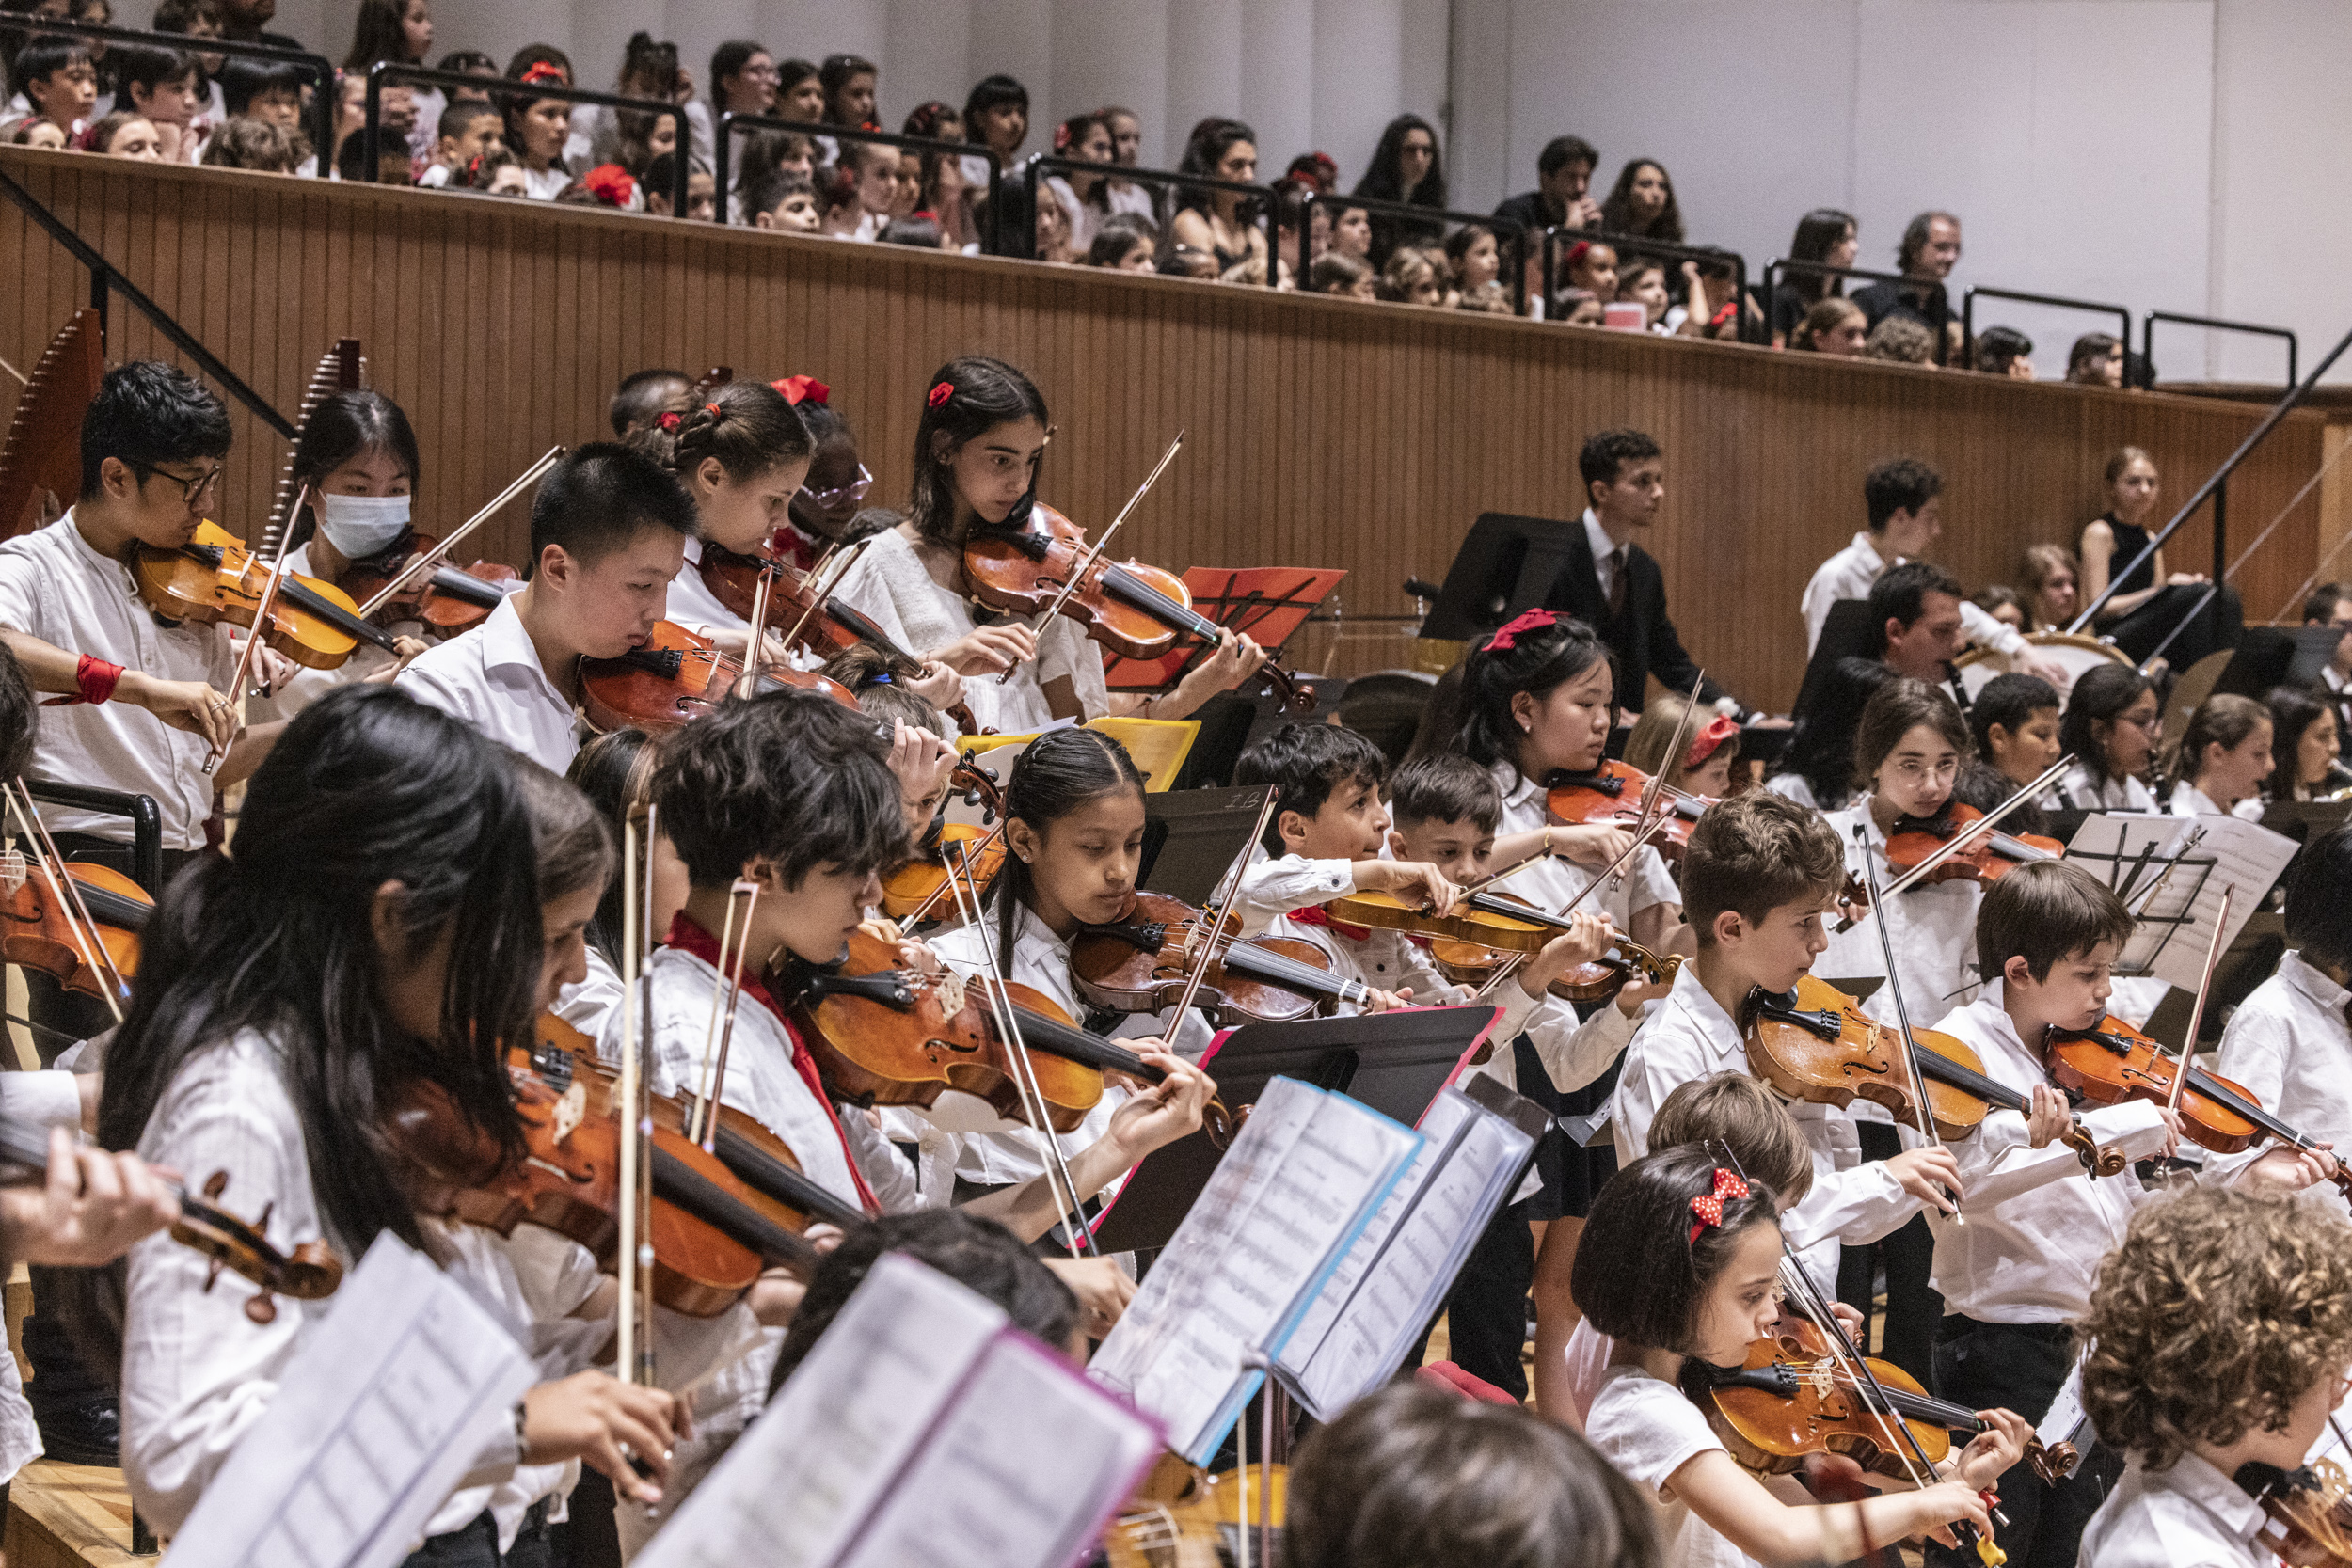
{"points": [[2215, 1314]]}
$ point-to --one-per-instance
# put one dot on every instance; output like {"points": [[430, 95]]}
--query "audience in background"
{"points": [[466, 131], [848, 84], [2050, 577], [1580, 308], [783, 201], [125, 134], [1562, 195], [1125, 242], [1642, 203], [1411, 278], [800, 96], [1085, 197], [743, 78], [1407, 168], [2095, 360], [400, 31], [1901, 340], [2004, 351], [1593, 267], [58, 81], [1476, 255], [259, 147], [166, 86], [1335, 272], [1215, 221], [35, 131], [1824, 235], [1930, 250], [1833, 327], [2003, 603]]}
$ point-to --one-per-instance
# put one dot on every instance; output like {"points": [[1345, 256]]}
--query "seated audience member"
{"points": [[2005, 351], [58, 81], [1708, 753], [649, 68], [1476, 255], [1642, 202], [467, 62], [265, 90], [996, 118], [2095, 360], [701, 189], [1336, 273], [1351, 232], [1184, 260], [799, 93], [641, 397], [1578, 308], [1562, 195], [743, 78], [1407, 169], [2002, 602], [391, 157], [2149, 604], [499, 172], [1083, 140], [1417, 1475], [919, 234], [1210, 219], [1409, 278], [166, 85], [1833, 327], [1129, 196], [1052, 221], [786, 203], [1899, 340], [2306, 742], [1930, 250], [2014, 722], [1125, 242], [257, 145], [536, 131], [1317, 171], [467, 129], [1592, 265], [35, 131], [1825, 236], [849, 81], [400, 32], [198, 19], [2048, 576], [125, 134], [1644, 282]]}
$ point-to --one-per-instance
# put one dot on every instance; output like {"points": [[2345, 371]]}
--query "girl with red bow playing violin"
{"points": [[977, 449], [1706, 764]]}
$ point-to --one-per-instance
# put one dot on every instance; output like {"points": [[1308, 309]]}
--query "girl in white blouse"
{"points": [[292, 994], [2224, 759], [977, 448], [2111, 728]]}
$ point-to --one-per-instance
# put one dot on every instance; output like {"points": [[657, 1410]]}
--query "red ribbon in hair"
{"points": [[610, 184], [797, 390], [1708, 1207], [1578, 251], [940, 395], [671, 420], [1709, 741], [544, 71], [1507, 636]]}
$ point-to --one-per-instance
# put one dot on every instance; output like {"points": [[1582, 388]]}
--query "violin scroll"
{"points": [[310, 1273]]}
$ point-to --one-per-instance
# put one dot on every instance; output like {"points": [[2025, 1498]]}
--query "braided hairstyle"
{"points": [[746, 426]]}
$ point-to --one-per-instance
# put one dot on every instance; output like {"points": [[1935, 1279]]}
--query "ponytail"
{"points": [[747, 425]]}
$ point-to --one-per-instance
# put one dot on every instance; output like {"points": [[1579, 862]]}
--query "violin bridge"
{"points": [[571, 1109], [12, 871], [950, 987]]}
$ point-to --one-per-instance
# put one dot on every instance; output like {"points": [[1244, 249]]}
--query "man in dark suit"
{"points": [[1612, 583]]}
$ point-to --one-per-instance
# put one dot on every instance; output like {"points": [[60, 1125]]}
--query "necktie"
{"points": [[1616, 582]]}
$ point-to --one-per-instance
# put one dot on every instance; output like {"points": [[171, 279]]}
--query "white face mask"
{"points": [[361, 526]]}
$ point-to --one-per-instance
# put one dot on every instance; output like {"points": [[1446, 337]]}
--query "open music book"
{"points": [[1303, 1178], [1477, 1143], [910, 1433], [386, 1401], [2130, 853]]}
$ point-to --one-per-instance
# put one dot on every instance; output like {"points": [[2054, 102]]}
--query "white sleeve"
{"points": [[1856, 1205], [50, 1099], [1575, 1053], [427, 687], [884, 1167], [1814, 607], [1649, 1078], [1997, 1164], [2254, 1050], [863, 589], [1989, 634], [1275, 887], [21, 596]]}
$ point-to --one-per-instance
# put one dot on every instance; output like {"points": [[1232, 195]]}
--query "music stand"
{"points": [[2262, 660], [1266, 603], [1191, 838], [1506, 564], [1396, 1063], [2314, 650]]}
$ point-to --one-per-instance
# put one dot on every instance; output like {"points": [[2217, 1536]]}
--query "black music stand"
{"points": [[1396, 1063], [1192, 837], [1506, 564], [2261, 660], [2314, 650]]}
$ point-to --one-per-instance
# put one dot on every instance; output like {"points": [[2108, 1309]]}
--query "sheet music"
{"points": [[2066, 1422], [1307, 1171], [384, 1405], [2242, 854], [797, 1486]]}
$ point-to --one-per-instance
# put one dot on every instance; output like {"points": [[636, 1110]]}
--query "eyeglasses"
{"points": [[192, 491], [848, 495], [762, 72]]}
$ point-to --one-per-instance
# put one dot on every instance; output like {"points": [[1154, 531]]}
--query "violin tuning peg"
{"points": [[216, 1184], [212, 1275], [261, 1309]]}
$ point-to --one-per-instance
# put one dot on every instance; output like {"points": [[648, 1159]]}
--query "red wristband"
{"points": [[96, 679]]}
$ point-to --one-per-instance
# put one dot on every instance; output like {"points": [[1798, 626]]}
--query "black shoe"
{"points": [[86, 1430]]}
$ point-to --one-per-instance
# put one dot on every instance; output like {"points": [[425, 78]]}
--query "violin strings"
{"points": [[1510, 968], [1198, 969]]}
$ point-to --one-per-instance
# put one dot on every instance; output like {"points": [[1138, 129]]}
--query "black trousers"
{"points": [[1486, 1308], [1912, 1308], [2220, 624], [2020, 1366], [476, 1545]]}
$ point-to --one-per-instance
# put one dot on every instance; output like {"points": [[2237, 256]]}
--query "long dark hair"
{"points": [[1060, 771], [982, 393], [1211, 140], [1821, 749], [1539, 661], [2102, 692], [2292, 710], [340, 428], [378, 34], [366, 786], [615, 773], [1617, 213], [1818, 233], [1384, 180]]}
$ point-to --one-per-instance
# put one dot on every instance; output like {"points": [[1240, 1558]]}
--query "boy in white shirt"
{"points": [[608, 531]]}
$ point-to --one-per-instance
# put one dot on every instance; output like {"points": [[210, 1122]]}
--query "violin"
{"points": [[914, 890], [1466, 963], [1181, 1516], [37, 933], [2112, 1062], [1141, 963], [1488, 920], [1023, 565], [1612, 794], [2308, 1511], [214, 577], [823, 623], [1795, 1396], [455, 599], [675, 676], [1816, 1044], [1993, 856]]}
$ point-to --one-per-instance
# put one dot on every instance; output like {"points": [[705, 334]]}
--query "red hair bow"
{"points": [[544, 70], [1507, 636], [797, 390], [610, 184], [671, 420], [940, 395], [1709, 739], [1578, 251], [1708, 1207]]}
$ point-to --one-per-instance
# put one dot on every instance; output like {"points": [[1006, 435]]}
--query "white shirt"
{"points": [[1685, 1036], [588, 1004], [2188, 1517], [1552, 881], [305, 687], [2289, 1047], [1930, 926], [53, 586], [1273, 885], [2037, 1224], [1603, 547], [2077, 792], [1849, 573], [2189, 801], [892, 586], [693, 606], [1648, 1429], [491, 678]]}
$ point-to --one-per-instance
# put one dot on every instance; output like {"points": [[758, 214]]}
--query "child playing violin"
{"points": [[2019, 1271], [1708, 753], [977, 448], [2220, 1339], [608, 528], [1679, 1265], [288, 996]]}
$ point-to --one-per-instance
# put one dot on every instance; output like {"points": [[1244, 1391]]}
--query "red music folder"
{"points": [[1266, 603]]}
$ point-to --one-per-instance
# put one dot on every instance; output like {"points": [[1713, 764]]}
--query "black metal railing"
{"points": [[1404, 215], [106, 281], [1257, 200], [1705, 256], [146, 823], [317, 67], [1779, 264], [385, 72], [2057, 302], [2147, 338], [730, 123]]}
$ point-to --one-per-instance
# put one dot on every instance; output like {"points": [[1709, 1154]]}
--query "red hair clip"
{"points": [[670, 420], [1708, 1207], [1578, 251], [714, 411], [797, 390], [544, 70], [1507, 636], [940, 395], [1709, 739]]}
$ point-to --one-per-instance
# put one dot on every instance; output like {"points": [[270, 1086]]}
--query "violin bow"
{"points": [[922, 911], [69, 896], [1654, 793], [2204, 987], [1903, 1012], [1094, 552], [427, 560], [1215, 912], [634, 1331], [1511, 966], [1965, 839], [701, 1124], [817, 594], [1079, 1235], [262, 607]]}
